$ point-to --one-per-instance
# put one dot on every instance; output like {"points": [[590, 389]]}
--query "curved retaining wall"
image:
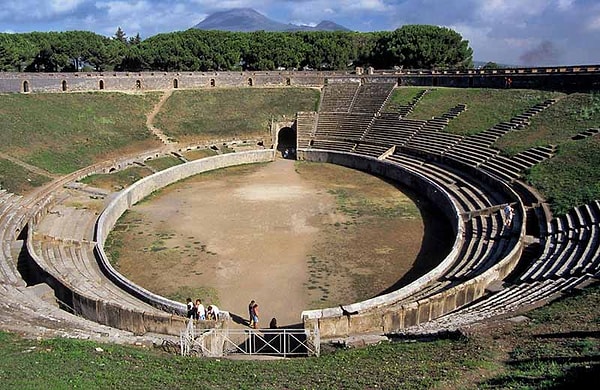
{"points": [[378, 314], [107, 313], [144, 187]]}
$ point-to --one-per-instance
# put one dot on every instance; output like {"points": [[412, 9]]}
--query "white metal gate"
{"points": [[275, 342]]}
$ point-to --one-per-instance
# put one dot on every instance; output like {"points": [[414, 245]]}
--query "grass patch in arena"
{"points": [[234, 113], [65, 132], [208, 295], [17, 179]]}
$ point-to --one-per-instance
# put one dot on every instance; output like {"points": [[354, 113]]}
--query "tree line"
{"points": [[411, 46]]}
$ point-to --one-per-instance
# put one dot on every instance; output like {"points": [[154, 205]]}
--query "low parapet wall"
{"points": [[144, 187], [382, 313]]}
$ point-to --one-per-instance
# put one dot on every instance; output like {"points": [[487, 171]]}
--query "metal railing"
{"points": [[273, 342]]}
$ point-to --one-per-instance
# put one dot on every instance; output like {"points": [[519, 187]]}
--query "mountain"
{"points": [[247, 20]]}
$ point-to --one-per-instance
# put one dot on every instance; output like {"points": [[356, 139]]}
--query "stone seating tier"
{"points": [[370, 98], [328, 144], [404, 110], [571, 248], [392, 131], [338, 97], [75, 267], [511, 299], [370, 150], [344, 126]]}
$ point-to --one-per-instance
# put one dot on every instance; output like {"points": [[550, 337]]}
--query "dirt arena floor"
{"points": [[290, 235]]}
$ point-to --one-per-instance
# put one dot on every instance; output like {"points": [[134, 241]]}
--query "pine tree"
{"points": [[120, 35]]}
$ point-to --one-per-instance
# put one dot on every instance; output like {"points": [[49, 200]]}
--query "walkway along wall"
{"points": [[583, 78], [379, 314]]}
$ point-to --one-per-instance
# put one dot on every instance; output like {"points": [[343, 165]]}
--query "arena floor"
{"points": [[290, 235]]}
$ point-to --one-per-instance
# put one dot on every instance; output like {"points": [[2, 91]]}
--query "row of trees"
{"points": [[412, 46]]}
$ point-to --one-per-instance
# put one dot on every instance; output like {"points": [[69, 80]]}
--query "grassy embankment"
{"points": [[61, 133], [569, 179], [558, 348], [231, 113], [210, 115]]}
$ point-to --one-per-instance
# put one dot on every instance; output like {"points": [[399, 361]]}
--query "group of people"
{"points": [[197, 311]]}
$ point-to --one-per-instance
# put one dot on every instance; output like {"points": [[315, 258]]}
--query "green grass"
{"points": [[162, 163], [199, 154], [231, 113], [555, 125], [401, 97], [558, 348], [65, 132], [17, 179], [572, 178], [118, 179], [485, 107]]}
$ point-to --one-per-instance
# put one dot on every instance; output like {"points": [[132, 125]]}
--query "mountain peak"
{"points": [[248, 20]]}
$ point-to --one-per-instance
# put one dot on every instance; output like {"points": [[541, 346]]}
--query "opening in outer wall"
{"points": [[175, 83], [286, 142], [138, 84], [25, 86], [250, 82], [64, 85], [101, 84], [288, 81], [212, 82]]}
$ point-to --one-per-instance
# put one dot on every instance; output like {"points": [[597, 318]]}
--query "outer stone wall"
{"points": [[568, 78]]}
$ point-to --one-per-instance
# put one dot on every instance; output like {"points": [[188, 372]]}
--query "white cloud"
{"points": [[594, 24], [60, 6], [564, 5]]}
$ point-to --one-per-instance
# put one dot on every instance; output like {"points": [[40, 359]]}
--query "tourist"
{"points": [[254, 315], [212, 312], [509, 213], [200, 311], [191, 309], [250, 320], [273, 323]]}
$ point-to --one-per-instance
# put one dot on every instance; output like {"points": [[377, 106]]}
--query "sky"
{"points": [[511, 32]]}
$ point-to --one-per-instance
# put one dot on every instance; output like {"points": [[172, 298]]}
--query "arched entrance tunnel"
{"points": [[286, 142]]}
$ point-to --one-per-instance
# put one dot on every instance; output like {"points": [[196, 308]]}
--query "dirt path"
{"points": [[150, 119], [29, 167]]}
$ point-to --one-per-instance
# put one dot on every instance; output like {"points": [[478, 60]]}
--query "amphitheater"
{"points": [[490, 271]]}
